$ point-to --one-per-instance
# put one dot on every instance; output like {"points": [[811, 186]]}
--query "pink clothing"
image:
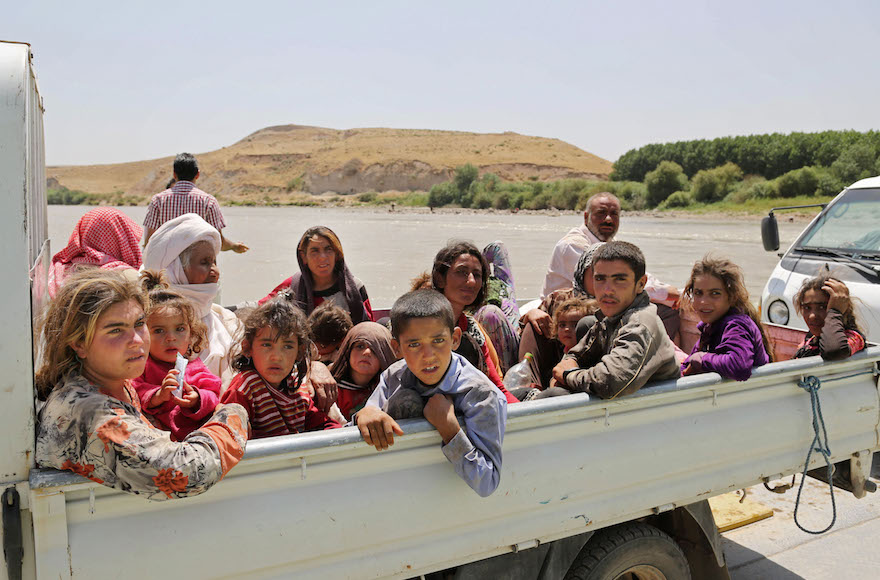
{"points": [[181, 422], [103, 237]]}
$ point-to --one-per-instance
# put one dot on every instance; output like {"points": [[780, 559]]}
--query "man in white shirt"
{"points": [[601, 220]]}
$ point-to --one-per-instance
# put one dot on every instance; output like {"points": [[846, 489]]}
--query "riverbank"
{"points": [[417, 202]]}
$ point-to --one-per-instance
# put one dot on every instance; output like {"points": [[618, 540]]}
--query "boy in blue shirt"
{"points": [[434, 382]]}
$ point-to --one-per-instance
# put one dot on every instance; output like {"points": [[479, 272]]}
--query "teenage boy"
{"points": [[628, 345], [434, 382]]}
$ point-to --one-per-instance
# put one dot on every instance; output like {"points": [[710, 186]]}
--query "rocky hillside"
{"points": [[292, 158]]}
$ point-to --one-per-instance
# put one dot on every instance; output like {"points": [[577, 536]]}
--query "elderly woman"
{"points": [[461, 274], [186, 248], [103, 238]]}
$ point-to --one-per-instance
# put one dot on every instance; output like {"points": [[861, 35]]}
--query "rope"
{"points": [[811, 384]]}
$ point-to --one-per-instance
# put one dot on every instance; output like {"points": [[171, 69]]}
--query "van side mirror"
{"points": [[770, 233]]}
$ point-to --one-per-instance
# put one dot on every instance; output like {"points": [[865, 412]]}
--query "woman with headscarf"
{"points": [[103, 238], [536, 324], [186, 249], [363, 355], [324, 277], [461, 273]]}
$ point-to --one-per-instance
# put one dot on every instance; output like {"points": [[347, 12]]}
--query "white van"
{"points": [[843, 239]]}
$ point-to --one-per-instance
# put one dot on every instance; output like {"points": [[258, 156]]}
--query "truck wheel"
{"points": [[630, 552]]}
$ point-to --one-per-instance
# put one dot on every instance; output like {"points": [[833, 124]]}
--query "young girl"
{"points": [[273, 364], [328, 325], [175, 329], [732, 339], [96, 342], [566, 318], [363, 355], [828, 311]]}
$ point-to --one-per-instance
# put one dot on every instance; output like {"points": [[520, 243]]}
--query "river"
{"points": [[385, 250]]}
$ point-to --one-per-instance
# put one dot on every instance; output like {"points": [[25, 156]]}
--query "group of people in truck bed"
{"points": [[148, 386]]}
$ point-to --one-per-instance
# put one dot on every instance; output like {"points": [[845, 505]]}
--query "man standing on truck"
{"points": [[184, 197]]}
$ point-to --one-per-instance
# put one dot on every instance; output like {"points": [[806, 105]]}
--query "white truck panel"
{"points": [[326, 505], [22, 189]]}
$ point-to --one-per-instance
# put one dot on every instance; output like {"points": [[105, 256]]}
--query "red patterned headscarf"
{"points": [[103, 237]]}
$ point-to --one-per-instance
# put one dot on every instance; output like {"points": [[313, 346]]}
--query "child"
{"points": [[566, 318], [272, 364], [827, 308], [434, 382], [363, 355], [628, 346], [174, 328], [328, 325], [732, 338], [96, 342]]}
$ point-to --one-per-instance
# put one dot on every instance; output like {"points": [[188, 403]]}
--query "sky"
{"points": [[126, 81]]}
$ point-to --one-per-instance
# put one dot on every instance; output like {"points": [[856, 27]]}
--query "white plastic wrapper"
{"points": [[180, 365]]}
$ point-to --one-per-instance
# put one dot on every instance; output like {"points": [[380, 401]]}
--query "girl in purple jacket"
{"points": [[732, 339]]}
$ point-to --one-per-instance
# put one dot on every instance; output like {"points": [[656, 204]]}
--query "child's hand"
{"points": [[190, 399], [565, 364], [694, 365], [838, 295], [166, 391], [440, 413], [377, 427]]}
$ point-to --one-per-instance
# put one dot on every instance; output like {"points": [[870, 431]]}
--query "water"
{"points": [[385, 250]]}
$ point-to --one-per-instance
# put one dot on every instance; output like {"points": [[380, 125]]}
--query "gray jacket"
{"points": [[621, 353]]}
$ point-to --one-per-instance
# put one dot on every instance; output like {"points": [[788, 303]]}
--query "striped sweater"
{"points": [[274, 411]]}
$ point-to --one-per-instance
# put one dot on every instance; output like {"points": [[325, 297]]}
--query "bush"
{"points": [[490, 181], [540, 201], [803, 181], [666, 179], [856, 162], [829, 184], [64, 196], [442, 194], [565, 199], [501, 200], [465, 175], [753, 188], [367, 197], [295, 184], [482, 200], [678, 199], [710, 185]]}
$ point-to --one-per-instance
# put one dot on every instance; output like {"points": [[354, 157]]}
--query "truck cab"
{"points": [[843, 239]]}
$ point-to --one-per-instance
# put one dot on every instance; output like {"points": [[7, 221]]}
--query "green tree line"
{"points": [[769, 155]]}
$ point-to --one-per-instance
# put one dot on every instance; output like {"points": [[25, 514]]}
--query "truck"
{"points": [[590, 488], [843, 240]]}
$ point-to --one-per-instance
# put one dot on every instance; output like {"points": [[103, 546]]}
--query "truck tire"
{"points": [[631, 551]]}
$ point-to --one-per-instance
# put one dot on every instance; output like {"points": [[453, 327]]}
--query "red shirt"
{"points": [[275, 411]]}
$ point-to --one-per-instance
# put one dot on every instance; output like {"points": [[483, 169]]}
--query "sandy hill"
{"points": [[286, 158]]}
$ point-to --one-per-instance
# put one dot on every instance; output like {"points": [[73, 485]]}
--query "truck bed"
{"points": [[326, 505]]}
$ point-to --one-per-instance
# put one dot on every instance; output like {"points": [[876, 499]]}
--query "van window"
{"points": [[852, 223]]}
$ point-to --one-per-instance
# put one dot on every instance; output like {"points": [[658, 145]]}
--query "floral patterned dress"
{"points": [[109, 441]]}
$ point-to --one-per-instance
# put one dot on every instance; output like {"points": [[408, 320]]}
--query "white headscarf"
{"points": [[163, 253]]}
